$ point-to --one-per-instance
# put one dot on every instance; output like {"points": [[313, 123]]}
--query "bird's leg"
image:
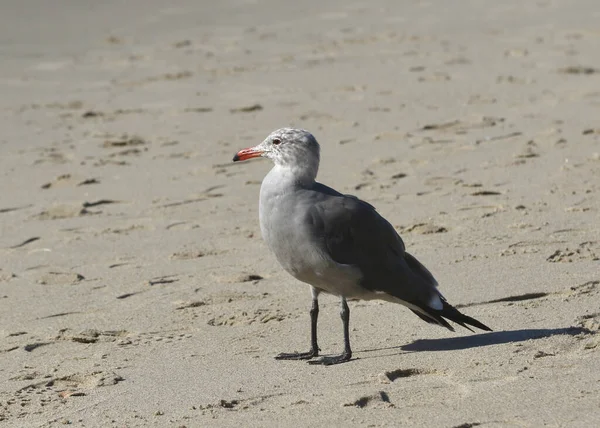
{"points": [[347, 354], [314, 347]]}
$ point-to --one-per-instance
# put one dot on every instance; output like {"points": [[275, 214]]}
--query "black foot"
{"points": [[297, 356], [329, 361]]}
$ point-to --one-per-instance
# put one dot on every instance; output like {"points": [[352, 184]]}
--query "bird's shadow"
{"points": [[483, 339]]}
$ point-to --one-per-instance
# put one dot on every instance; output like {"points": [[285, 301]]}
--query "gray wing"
{"points": [[353, 233]]}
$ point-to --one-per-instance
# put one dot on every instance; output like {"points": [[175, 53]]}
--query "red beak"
{"points": [[245, 154]]}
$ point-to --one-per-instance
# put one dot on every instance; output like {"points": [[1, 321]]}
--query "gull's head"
{"points": [[287, 147]]}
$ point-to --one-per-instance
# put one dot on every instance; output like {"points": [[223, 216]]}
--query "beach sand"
{"points": [[136, 290]]}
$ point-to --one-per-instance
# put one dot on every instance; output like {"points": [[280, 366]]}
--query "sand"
{"points": [[135, 288]]}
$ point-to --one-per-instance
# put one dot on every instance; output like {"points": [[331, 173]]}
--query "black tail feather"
{"points": [[424, 318], [437, 316]]}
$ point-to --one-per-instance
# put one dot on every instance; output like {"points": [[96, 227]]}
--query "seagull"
{"points": [[337, 243]]}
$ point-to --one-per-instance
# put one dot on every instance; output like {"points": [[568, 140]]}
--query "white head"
{"points": [[293, 149]]}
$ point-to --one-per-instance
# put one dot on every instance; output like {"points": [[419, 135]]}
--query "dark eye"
{"points": [[276, 141]]}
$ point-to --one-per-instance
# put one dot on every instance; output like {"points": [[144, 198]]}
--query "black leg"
{"points": [[347, 354], [314, 347]]}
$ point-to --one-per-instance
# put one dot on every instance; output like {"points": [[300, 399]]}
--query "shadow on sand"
{"points": [[483, 339], [487, 339]]}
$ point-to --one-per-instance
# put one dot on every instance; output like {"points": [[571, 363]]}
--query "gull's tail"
{"points": [[439, 316]]}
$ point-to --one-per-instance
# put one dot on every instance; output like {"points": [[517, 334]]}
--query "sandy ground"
{"points": [[135, 289]]}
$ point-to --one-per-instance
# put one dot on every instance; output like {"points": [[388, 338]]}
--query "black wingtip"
{"points": [[451, 313], [464, 320], [236, 158]]}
